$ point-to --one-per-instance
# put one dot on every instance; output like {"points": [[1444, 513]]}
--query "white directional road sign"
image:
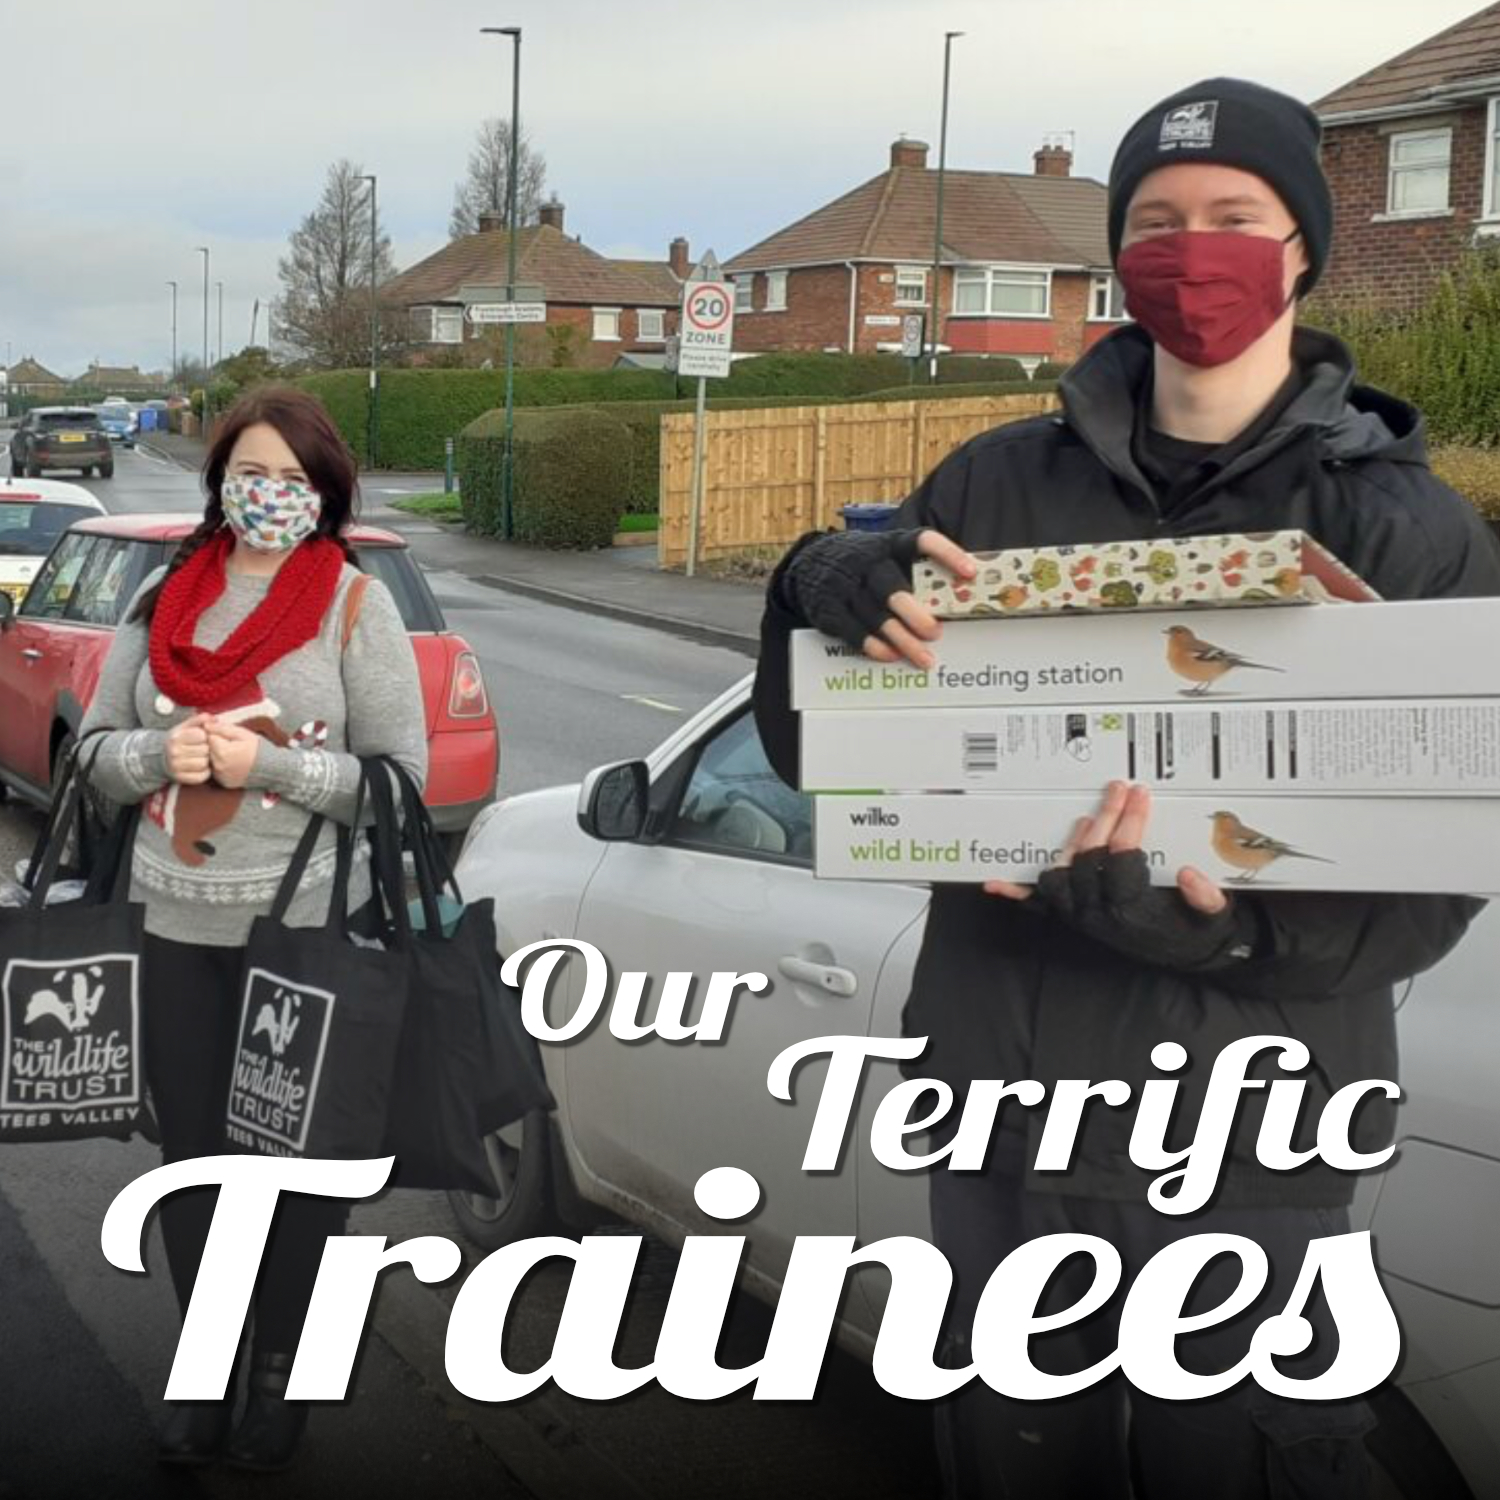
{"points": [[506, 312], [707, 331]]}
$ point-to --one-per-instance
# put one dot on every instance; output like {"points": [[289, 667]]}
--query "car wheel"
{"points": [[520, 1159], [107, 472], [33, 471]]}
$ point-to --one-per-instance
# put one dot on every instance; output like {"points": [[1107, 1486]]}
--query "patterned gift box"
{"points": [[1273, 567]]}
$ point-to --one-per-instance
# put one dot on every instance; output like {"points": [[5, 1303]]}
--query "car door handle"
{"points": [[32, 654], [830, 978]]}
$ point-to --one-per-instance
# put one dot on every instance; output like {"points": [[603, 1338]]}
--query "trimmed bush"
{"points": [[420, 408], [572, 475], [817, 377], [1049, 369], [1021, 387], [978, 369]]}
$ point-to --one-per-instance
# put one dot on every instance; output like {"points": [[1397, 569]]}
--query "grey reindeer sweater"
{"points": [[208, 859]]}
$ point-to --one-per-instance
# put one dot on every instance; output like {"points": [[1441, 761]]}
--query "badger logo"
{"points": [[73, 1010], [1190, 125]]}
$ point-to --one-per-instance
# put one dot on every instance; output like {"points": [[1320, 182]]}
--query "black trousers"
{"points": [[1244, 1445], [190, 1019]]}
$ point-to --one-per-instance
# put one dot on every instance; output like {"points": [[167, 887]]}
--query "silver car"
{"points": [[720, 878]]}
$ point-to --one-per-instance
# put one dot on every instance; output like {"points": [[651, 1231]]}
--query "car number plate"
{"points": [[71, 437]]}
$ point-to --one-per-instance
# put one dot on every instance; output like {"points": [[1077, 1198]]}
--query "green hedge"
{"points": [[420, 408], [1049, 369], [978, 369], [1022, 387], [572, 474], [816, 377]]}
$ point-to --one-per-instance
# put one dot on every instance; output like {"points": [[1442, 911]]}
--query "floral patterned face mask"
{"points": [[271, 515]]}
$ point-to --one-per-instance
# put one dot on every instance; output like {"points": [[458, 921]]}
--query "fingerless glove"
{"points": [[841, 583]]}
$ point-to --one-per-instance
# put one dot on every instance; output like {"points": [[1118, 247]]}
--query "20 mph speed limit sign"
{"points": [[707, 329]]}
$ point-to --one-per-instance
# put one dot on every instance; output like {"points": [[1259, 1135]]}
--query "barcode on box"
{"points": [[981, 753]]}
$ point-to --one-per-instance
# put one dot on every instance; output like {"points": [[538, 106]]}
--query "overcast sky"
{"points": [[130, 135]]}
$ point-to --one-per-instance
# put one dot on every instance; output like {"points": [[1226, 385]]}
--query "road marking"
{"points": [[666, 708]]}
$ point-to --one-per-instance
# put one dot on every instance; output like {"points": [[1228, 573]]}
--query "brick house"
{"points": [[1024, 271], [119, 380], [613, 307], [29, 378], [1410, 149]]}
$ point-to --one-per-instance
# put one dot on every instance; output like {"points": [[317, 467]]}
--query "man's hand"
{"points": [[231, 749], [1102, 888], [856, 585], [1119, 827], [188, 762]]}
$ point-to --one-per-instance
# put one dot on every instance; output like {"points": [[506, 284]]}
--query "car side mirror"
{"points": [[614, 800], [7, 610]]}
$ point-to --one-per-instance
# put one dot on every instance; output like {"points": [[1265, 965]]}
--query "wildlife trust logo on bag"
{"points": [[71, 1040], [283, 1040]]}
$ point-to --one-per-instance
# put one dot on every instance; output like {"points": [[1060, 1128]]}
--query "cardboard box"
{"points": [[1442, 747], [1448, 846], [1274, 567], [1432, 649]]}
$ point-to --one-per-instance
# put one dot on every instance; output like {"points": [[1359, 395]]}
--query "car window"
{"points": [[108, 581], [57, 419], [30, 528], [394, 567], [735, 803], [47, 598]]}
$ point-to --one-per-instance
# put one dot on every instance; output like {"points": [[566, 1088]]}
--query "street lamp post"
{"points": [[507, 524], [937, 236], [172, 379], [373, 424], [219, 345], [203, 251]]}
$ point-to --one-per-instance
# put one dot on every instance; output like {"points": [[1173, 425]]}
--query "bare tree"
{"points": [[486, 184], [323, 313]]}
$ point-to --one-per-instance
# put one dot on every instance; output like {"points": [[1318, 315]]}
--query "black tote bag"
{"points": [[467, 1066], [320, 1021], [71, 1064]]}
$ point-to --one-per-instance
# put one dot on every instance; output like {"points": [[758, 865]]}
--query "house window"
{"points": [[1003, 292], [606, 324], [1418, 182], [744, 293], [1106, 299], [651, 325], [911, 286], [438, 325], [775, 291]]}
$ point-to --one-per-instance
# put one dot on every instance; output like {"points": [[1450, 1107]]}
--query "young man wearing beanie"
{"points": [[1212, 413]]}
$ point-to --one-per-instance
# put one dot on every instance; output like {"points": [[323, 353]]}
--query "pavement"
{"points": [[624, 583]]}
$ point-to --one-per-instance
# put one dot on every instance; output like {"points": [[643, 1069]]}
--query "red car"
{"points": [[53, 645]]}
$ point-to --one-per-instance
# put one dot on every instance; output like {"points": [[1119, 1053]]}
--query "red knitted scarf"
{"points": [[289, 616]]}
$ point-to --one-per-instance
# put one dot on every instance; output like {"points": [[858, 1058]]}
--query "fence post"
{"points": [[918, 434], [820, 464]]}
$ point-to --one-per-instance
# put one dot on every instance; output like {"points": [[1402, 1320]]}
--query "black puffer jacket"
{"points": [[1005, 993]]}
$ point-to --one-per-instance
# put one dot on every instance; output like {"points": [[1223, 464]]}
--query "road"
{"points": [[86, 1348]]}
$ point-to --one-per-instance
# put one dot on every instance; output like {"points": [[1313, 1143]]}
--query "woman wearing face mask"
{"points": [[248, 676], [1214, 413]]}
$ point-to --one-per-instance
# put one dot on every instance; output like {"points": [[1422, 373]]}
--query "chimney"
{"points": [[1053, 160], [905, 153], [679, 259], [551, 214], [491, 219]]}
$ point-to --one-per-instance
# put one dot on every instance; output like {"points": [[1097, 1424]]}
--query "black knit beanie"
{"points": [[1235, 124]]}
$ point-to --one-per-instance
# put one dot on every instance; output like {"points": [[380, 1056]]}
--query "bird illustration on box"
{"points": [[1202, 663], [1249, 851]]}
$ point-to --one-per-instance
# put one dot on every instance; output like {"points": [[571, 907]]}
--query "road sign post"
{"points": [[704, 343]]}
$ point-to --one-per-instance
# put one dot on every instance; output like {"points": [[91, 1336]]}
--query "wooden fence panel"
{"points": [[770, 475]]}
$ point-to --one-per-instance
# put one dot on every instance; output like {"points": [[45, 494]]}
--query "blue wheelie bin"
{"points": [[871, 516]]}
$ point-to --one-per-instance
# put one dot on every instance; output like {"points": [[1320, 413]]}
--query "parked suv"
{"points": [[60, 437]]}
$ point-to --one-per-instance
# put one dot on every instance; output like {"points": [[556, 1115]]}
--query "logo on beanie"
{"points": [[1190, 125]]}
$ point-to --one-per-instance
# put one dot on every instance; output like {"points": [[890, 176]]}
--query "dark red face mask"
{"points": [[1205, 295]]}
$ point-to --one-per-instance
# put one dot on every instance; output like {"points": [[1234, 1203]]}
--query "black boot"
{"points": [[195, 1431], [269, 1431]]}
